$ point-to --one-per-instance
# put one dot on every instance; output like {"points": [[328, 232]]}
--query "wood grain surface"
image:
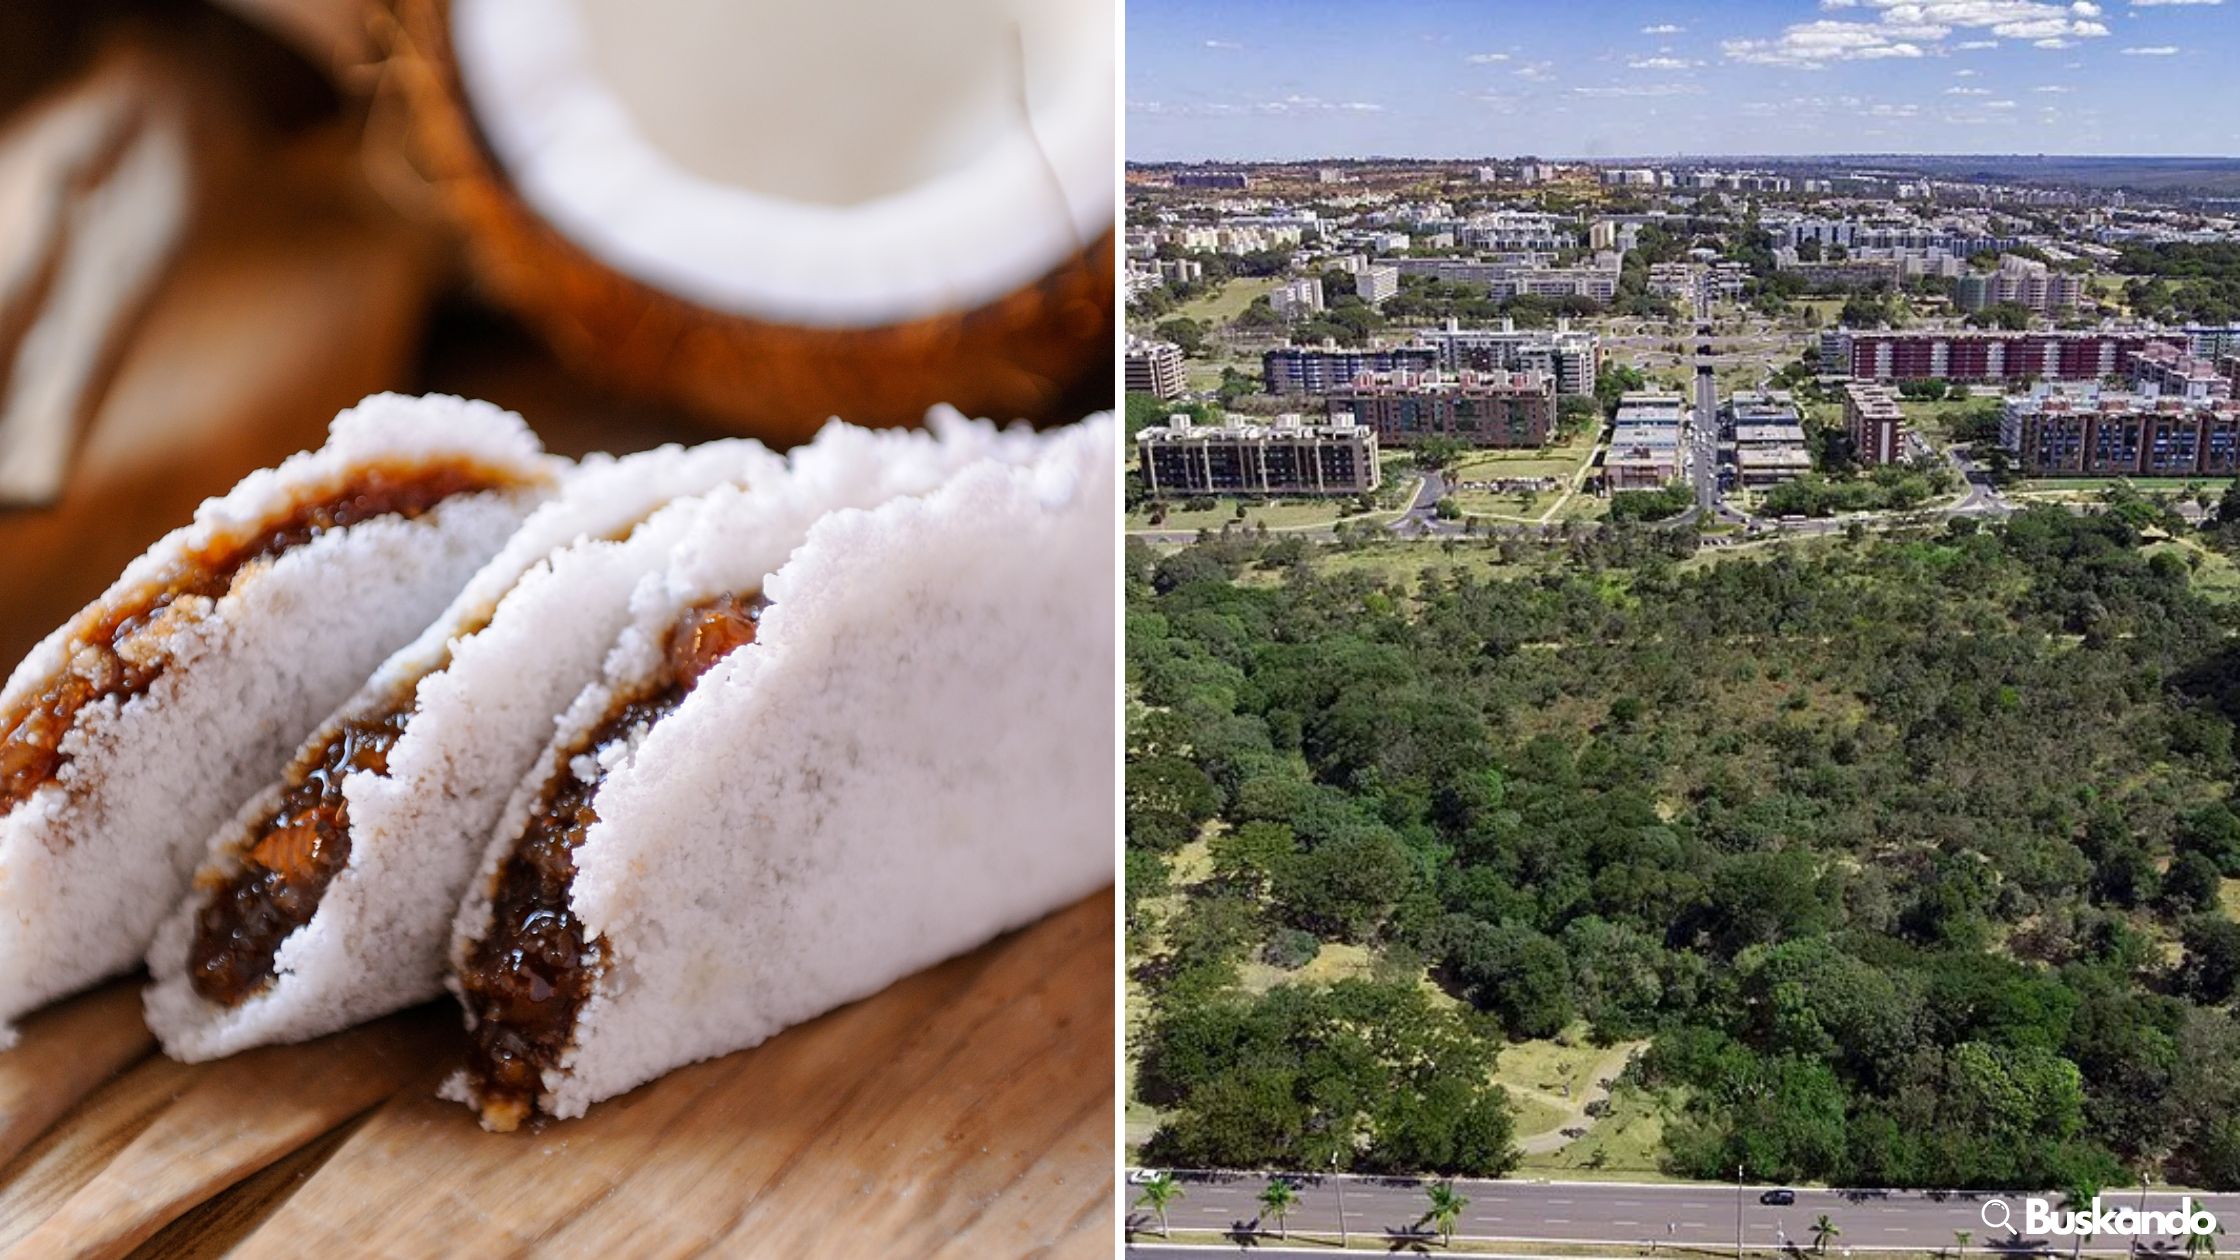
{"points": [[966, 1111]]}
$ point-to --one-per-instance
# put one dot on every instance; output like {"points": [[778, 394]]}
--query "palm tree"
{"points": [[1446, 1208], [1823, 1230], [1962, 1236], [2077, 1198], [1159, 1190], [1277, 1201], [2198, 1241]]}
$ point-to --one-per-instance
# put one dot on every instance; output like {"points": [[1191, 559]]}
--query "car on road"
{"points": [[1138, 1176], [1778, 1198]]}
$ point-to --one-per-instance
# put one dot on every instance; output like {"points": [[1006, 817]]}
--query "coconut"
{"points": [[774, 213]]}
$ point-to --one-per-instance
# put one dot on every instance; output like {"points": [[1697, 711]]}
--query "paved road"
{"points": [[1632, 1215]]}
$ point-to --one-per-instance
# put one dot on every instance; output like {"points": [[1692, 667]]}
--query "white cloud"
{"points": [[1998, 104], [1661, 63], [1486, 59], [1915, 28], [2053, 88], [1811, 45], [2170, 4], [1315, 105], [1663, 28], [1963, 74], [1967, 91], [1224, 44], [2157, 50], [2056, 43], [1538, 71], [1640, 89]]}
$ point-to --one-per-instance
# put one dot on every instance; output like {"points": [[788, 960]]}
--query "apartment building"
{"points": [[1982, 355], [1320, 369], [2089, 431], [1646, 449], [1230, 181], [1375, 283], [1572, 357], [1486, 409], [1289, 457], [2022, 281], [1153, 367], [2169, 372], [1876, 423], [1766, 435], [1297, 299]]}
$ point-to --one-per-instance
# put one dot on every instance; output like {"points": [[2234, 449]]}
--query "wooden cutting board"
{"points": [[965, 1111]]}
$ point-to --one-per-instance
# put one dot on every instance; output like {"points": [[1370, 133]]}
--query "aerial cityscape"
{"points": [[1682, 583]]}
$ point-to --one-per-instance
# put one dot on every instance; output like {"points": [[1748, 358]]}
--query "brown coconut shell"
{"points": [[1012, 358]]}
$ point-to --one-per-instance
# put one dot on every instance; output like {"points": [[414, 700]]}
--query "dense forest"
{"points": [[1905, 855], [2180, 280]]}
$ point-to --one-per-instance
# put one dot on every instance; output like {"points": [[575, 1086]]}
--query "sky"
{"points": [[1284, 80]]}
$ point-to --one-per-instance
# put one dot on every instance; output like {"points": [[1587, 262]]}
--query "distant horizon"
{"points": [[1623, 158], [1302, 80]]}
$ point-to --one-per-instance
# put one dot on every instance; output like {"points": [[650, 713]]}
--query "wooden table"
{"points": [[965, 1111]]}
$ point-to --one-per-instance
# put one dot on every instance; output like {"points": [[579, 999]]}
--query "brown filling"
{"points": [[528, 977], [296, 855], [31, 733], [297, 852]]}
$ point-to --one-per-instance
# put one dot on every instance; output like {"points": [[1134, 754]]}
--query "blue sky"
{"points": [[1290, 79]]}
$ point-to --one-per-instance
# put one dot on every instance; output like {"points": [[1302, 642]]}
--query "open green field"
{"points": [[2215, 575], [1401, 564], [1622, 1144], [1934, 420], [2074, 486], [1220, 307], [1558, 1065]]}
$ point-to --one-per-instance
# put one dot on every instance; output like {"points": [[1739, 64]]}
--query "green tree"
{"points": [[1159, 1191], [1276, 1201], [1446, 1208], [1823, 1229]]}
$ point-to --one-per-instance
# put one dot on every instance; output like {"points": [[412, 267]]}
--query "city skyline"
{"points": [[1255, 79]]}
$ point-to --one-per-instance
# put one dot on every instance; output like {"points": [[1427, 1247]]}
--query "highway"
{"points": [[1629, 1215]]}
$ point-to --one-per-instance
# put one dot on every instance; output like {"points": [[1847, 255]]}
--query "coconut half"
{"points": [[773, 213]]}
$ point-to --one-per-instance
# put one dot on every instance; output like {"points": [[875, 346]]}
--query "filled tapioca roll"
{"points": [[832, 748], [137, 727], [328, 897]]}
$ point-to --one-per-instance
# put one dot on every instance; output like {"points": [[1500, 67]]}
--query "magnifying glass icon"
{"points": [[2001, 1219]]}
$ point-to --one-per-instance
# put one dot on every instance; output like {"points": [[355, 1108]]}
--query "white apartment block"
{"points": [[1375, 283]]}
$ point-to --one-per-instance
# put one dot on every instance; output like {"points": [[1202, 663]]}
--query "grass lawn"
{"points": [[2215, 576], [1622, 1145], [1221, 307], [2072, 486], [1553, 1065], [1561, 461], [1532, 1114], [1335, 961], [1934, 420], [1401, 563]]}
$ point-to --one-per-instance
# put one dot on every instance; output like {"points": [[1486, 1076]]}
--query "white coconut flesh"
{"points": [[825, 163]]}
